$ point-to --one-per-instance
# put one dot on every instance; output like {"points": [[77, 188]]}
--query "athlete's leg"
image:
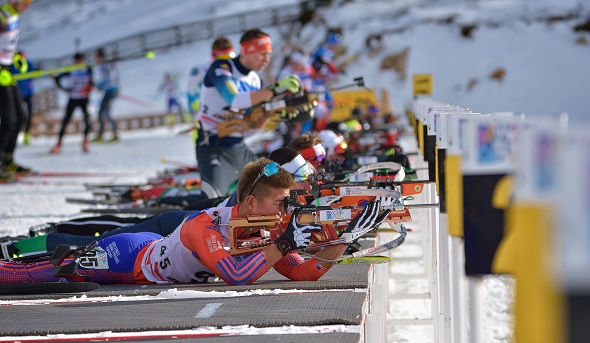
{"points": [[163, 225], [114, 264], [17, 272], [87, 125], [66, 119]]}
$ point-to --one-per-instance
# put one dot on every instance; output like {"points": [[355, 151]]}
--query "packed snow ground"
{"points": [[138, 156]]}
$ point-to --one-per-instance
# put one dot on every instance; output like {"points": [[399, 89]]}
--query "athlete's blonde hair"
{"points": [[282, 179], [306, 140]]}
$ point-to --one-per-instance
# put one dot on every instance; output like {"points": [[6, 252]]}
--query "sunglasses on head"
{"points": [[268, 170]]}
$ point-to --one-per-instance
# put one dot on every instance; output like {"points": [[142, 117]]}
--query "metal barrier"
{"points": [[136, 46], [41, 126]]}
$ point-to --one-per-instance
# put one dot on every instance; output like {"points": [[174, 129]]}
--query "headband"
{"points": [[223, 53], [313, 152], [294, 165], [256, 45]]}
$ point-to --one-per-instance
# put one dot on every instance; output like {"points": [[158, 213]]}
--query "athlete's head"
{"points": [[255, 49], [99, 55], [310, 147], [292, 161], [299, 60], [79, 57], [306, 140], [20, 5], [222, 48], [262, 188]]}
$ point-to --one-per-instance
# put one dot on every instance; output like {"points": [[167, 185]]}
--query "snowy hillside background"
{"points": [[543, 62]]}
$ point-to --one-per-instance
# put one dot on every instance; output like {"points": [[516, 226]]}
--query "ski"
{"points": [[36, 257], [365, 260], [91, 201], [46, 288], [115, 186], [138, 210], [70, 174]]}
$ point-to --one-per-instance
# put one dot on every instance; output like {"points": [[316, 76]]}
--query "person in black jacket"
{"points": [[12, 117], [79, 87]]}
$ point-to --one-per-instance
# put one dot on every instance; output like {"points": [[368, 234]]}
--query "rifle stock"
{"points": [[253, 233], [240, 121]]}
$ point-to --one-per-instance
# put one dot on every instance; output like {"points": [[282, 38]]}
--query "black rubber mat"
{"points": [[300, 309], [336, 337], [348, 276]]}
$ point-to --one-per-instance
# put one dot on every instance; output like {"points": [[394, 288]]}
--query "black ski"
{"points": [[139, 210], [92, 201], [46, 288]]}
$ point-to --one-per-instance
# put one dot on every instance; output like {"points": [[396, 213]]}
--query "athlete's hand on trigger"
{"points": [[386, 202], [289, 83], [296, 236], [368, 219]]}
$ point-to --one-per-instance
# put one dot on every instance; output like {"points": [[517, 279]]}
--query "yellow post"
{"points": [[454, 194], [539, 311]]}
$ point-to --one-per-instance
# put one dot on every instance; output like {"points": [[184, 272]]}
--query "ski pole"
{"points": [[136, 101], [39, 73], [178, 163]]}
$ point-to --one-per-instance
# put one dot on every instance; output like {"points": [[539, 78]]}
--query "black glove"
{"points": [[296, 236], [369, 218]]}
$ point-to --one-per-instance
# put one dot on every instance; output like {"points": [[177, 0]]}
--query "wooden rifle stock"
{"points": [[240, 121], [253, 233]]}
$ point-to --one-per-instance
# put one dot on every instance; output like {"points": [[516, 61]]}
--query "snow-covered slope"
{"points": [[544, 62]]}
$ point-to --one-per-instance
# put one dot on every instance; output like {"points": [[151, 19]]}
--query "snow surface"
{"points": [[138, 156], [546, 73]]}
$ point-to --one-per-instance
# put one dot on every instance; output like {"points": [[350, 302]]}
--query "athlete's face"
{"points": [[257, 60], [21, 6], [272, 204]]}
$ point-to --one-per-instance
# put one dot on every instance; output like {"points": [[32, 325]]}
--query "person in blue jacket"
{"points": [[233, 85], [12, 117], [109, 83]]}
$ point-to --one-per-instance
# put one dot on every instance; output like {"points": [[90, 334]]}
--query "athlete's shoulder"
{"points": [[221, 64]]}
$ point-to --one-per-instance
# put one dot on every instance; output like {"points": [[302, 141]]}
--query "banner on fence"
{"points": [[488, 160], [346, 101]]}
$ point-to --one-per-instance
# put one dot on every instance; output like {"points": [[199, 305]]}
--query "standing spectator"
{"points": [[78, 87], [12, 116], [298, 63], [170, 87], [109, 83], [233, 83], [222, 48], [324, 71], [26, 88]]}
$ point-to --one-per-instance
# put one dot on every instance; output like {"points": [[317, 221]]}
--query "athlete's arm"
{"points": [[294, 267], [220, 75], [202, 237]]}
